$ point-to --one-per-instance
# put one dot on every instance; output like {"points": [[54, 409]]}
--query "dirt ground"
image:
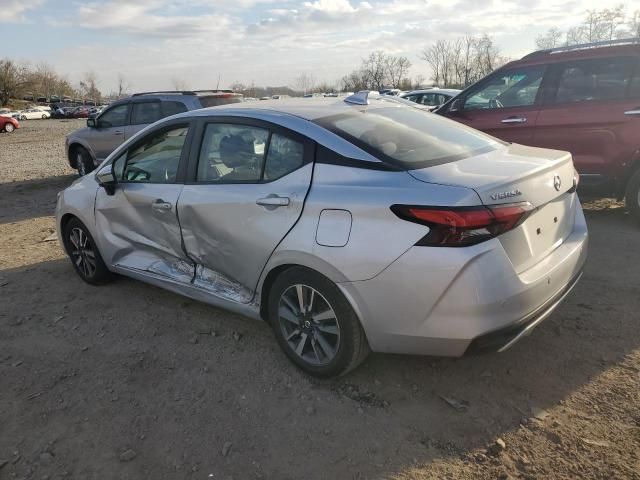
{"points": [[128, 381]]}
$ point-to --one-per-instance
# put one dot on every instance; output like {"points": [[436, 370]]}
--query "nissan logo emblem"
{"points": [[557, 182]]}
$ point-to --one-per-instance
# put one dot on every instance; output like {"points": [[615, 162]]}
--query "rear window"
{"points": [[216, 100], [409, 138]]}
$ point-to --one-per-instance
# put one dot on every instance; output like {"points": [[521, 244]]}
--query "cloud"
{"points": [[13, 10], [273, 41]]}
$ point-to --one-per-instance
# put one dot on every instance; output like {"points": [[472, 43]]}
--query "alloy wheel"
{"points": [[309, 324], [82, 252], [8, 127]]}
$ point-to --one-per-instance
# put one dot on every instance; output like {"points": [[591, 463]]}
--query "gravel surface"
{"points": [[129, 381]]}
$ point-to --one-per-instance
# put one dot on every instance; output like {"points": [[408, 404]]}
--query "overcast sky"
{"points": [[269, 42]]}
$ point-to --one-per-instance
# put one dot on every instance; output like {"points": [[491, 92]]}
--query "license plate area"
{"points": [[541, 233]]}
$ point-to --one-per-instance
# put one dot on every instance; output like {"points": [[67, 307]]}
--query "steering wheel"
{"points": [[137, 172]]}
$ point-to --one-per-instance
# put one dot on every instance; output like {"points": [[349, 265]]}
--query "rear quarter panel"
{"points": [[377, 236]]}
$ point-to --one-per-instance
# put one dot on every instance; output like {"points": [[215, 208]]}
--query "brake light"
{"points": [[463, 226]]}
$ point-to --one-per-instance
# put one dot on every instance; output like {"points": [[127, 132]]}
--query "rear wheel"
{"points": [[23, 117], [315, 324], [84, 163], [44, 116], [9, 128], [632, 195], [84, 254]]}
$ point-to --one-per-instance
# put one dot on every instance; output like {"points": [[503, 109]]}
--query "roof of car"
{"points": [[450, 91], [307, 108]]}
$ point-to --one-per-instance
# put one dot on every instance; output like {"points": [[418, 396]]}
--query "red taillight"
{"points": [[463, 226]]}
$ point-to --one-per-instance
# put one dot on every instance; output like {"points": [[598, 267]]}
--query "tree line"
{"points": [[18, 79], [597, 25]]}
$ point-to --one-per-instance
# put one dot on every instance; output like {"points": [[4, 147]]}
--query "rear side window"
{"points": [[591, 80], [217, 100], [408, 138], [512, 88], [284, 155], [172, 108], [144, 113]]}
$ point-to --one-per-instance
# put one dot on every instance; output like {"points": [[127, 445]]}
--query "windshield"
{"points": [[408, 138]]}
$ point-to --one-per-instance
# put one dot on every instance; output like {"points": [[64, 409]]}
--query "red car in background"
{"points": [[8, 124], [581, 98]]}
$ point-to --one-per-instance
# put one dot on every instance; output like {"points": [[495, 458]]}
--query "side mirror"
{"points": [[91, 123], [107, 179]]}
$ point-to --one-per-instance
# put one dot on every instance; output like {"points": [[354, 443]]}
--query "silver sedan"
{"points": [[348, 225]]}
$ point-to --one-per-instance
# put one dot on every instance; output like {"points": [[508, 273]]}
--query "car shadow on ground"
{"points": [[27, 199], [95, 371]]}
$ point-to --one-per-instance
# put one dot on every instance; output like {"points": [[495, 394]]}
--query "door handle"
{"points": [[273, 201], [161, 206], [118, 132], [514, 120], [635, 111]]}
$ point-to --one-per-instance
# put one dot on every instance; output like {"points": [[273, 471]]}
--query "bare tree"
{"points": [[305, 82], [179, 84], [89, 86], [597, 25], [551, 39], [374, 70], [397, 69], [123, 85], [13, 77], [460, 62], [633, 24]]}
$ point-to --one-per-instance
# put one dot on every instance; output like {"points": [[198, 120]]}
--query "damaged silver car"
{"points": [[348, 225]]}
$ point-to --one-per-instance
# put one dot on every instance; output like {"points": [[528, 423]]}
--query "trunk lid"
{"points": [[514, 174]]}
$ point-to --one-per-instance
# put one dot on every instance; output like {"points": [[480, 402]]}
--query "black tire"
{"points": [[44, 116], [632, 195], [83, 161], [99, 274], [351, 347], [23, 118]]}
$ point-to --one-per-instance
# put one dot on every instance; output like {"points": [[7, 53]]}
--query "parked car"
{"points": [[583, 98], [432, 97], [34, 113], [348, 225], [79, 112], [8, 124], [88, 147], [6, 112]]}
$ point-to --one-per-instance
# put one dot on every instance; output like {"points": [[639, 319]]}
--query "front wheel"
{"points": [[632, 195], [9, 128], [315, 324], [84, 163], [84, 254], [23, 117], [44, 116]]}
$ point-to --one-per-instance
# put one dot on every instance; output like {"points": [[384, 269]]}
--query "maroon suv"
{"points": [[583, 98]]}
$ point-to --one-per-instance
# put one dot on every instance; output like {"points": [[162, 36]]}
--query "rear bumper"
{"points": [[504, 338], [456, 301]]}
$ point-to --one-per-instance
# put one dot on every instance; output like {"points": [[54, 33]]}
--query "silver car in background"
{"points": [[349, 225], [108, 127], [431, 98]]}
